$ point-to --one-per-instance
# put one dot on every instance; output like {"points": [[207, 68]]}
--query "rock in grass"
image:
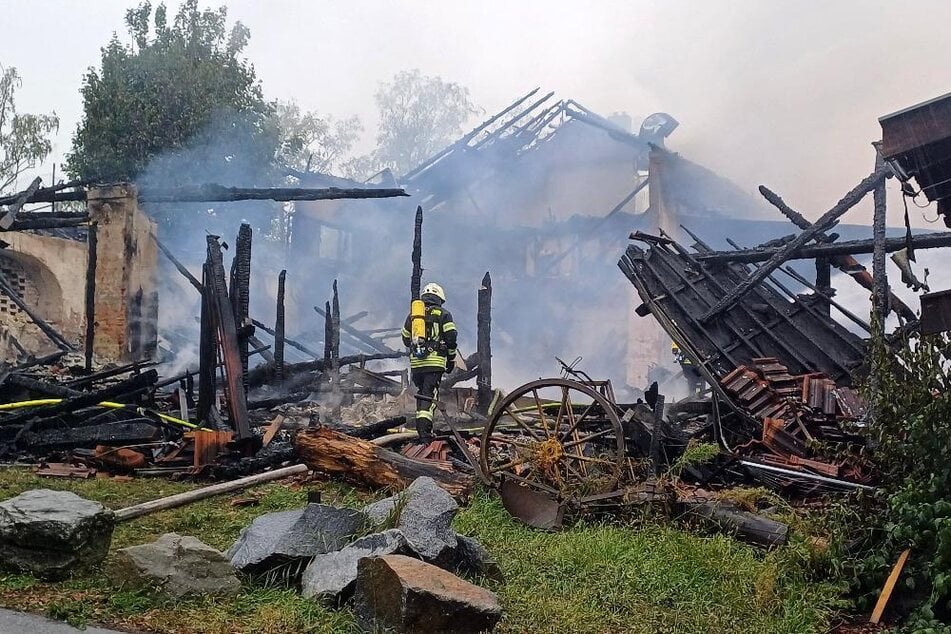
{"points": [[48, 533], [177, 565], [400, 594], [425, 513], [472, 559], [332, 576], [292, 537]]}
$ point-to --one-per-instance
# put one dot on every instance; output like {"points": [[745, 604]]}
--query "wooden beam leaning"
{"points": [[845, 263], [852, 247], [177, 264], [6, 222], [228, 338], [827, 220]]}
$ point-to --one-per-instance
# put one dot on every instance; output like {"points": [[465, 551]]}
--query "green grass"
{"points": [[589, 578]]}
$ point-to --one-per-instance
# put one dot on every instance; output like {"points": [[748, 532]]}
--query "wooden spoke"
{"points": [[583, 439], [525, 427], [541, 413]]}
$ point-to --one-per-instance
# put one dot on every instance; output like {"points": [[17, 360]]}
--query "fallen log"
{"points": [[181, 499], [745, 526], [364, 463]]}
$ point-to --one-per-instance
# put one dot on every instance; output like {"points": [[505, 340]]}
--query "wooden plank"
{"points": [[889, 587], [272, 430]]}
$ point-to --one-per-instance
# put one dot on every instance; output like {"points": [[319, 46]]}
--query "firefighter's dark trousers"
{"points": [[427, 393]]}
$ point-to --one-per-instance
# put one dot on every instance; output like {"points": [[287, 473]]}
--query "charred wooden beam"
{"points": [[42, 194], [358, 337], [47, 223], [484, 345], [223, 317], [852, 247], [290, 342], [207, 350], [845, 263], [87, 399], [335, 328], [41, 387], [328, 332], [6, 222], [240, 294], [92, 247], [417, 256], [264, 374], [880, 293], [178, 265], [89, 379], [217, 193], [279, 329], [827, 221]]}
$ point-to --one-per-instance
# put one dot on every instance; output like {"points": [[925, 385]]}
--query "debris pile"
{"points": [[799, 413]]}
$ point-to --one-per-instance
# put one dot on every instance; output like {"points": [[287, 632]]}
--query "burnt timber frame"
{"points": [[677, 287]]}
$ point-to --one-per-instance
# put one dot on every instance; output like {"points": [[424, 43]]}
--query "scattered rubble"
{"points": [[49, 533], [176, 565], [395, 593]]}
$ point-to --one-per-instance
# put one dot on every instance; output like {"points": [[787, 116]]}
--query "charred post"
{"points": [[484, 345], [223, 316], [279, 329], [335, 329], [92, 243], [207, 351], [240, 285], [328, 333], [824, 283], [880, 292], [417, 277]]}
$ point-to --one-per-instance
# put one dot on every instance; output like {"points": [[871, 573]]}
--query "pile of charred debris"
{"points": [[780, 408]]}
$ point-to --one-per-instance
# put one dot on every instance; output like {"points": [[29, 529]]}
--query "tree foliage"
{"points": [[177, 86], [912, 431], [419, 115], [310, 142], [24, 138]]}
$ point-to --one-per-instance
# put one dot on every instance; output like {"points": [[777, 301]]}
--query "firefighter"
{"points": [[691, 373], [430, 356]]}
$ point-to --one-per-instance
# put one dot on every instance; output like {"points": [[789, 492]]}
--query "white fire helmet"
{"points": [[434, 290]]}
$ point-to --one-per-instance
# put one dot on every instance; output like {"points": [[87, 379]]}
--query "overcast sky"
{"points": [[785, 94]]}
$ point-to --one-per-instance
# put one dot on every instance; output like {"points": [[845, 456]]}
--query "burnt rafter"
{"points": [[677, 287], [218, 193]]}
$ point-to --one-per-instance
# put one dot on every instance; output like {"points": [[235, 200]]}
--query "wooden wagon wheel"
{"points": [[555, 435]]}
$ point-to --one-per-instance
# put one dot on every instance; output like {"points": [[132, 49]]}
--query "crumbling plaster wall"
{"points": [[50, 274]]}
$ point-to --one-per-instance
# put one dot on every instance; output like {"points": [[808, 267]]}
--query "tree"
{"points": [[177, 90], [312, 143], [419, 115], [24, 138]]}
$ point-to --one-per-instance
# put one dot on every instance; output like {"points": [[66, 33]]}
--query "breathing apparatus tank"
{"points": [[417, 313]]}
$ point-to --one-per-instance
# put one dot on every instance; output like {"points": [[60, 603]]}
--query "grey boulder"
{"points": [[48, 533], [178, 566], [407, 596], [279, 538], [425, 513], [472, 559], [332, 576]]}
